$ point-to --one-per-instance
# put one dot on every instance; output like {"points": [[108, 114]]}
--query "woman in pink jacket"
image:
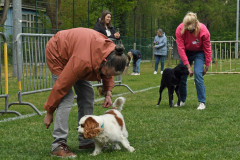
{"points": [[193, 43], [75, 57]]}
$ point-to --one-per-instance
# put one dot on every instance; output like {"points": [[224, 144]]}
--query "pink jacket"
{"points": [[189, 42], [76, 54]]}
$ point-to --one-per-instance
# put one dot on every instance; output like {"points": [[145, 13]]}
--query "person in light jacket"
{"points": [[160, 49], [75, 57]]}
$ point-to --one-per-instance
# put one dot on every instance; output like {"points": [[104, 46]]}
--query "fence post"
{"points": [[5, 95], [6, 67], [153, 55], [169, 56], [17, 28], [222, 58]]}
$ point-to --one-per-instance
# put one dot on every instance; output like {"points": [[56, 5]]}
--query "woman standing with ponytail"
{"points": [[193, 42], [75, 57]]}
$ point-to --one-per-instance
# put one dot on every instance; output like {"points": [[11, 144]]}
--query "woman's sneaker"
{"points": [[133, 73], [63, 151], [181, 104], [155, 72], [201, 106]]}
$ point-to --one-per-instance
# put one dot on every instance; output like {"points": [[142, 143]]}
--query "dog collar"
{"points": [[102, 125]]}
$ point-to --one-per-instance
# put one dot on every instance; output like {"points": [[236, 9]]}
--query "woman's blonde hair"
{"points": [[191, 22]]}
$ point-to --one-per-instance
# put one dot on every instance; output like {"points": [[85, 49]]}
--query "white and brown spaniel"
{"points": [[106, 129]]}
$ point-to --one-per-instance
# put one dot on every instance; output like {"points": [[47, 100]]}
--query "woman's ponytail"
{"points": [[117, 59], [119, 49]]}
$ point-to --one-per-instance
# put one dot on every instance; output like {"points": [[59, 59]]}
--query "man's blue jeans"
{"points": [[136, 67], [157, 59], [199, 60]]}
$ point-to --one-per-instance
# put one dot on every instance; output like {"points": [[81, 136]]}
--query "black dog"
{"points": [[171, 79]]}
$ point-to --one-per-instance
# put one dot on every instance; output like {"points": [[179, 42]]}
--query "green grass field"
{"points": [[155, 132]]}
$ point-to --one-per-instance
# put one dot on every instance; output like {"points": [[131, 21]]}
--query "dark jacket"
{"points": [[101, 28], [136, 55]]}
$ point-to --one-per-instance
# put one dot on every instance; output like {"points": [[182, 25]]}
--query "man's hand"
{"points": [[108, 99], [205, 70], [48, 119], [108, 102]]}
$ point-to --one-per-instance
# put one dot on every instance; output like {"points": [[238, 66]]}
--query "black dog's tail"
{"points": [[162, 87]]}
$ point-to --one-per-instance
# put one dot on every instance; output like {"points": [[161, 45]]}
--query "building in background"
{"points": [[34, 19]]}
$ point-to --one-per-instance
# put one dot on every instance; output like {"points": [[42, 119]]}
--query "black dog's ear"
{"points": [[181, 65], [181, 69]]}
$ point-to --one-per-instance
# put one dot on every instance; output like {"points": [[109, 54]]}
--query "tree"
{"points": [[142, 18], [52, 10], [5, 11]]}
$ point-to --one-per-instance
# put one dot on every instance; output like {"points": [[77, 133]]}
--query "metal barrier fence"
{"points": [[224, 58], [34, 75], [5, 78], [32, 70]]}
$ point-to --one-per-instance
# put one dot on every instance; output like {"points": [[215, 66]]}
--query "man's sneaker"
{"points": [[88, 146], [155, 72], [201, 106], [181, 104], [161, 72], [63, 152], [137, 74]]}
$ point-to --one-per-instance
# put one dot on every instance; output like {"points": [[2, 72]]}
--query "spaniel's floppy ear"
{"points": [[91, 128]]}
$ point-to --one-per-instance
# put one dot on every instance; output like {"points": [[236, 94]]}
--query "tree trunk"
{"points": [[52, 11], [5, 11]]}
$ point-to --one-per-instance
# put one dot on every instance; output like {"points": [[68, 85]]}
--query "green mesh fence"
{"points": [[144, 45]]}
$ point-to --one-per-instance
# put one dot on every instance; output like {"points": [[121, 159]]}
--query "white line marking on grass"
{"points": [[96, 100], [21, 117]]}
